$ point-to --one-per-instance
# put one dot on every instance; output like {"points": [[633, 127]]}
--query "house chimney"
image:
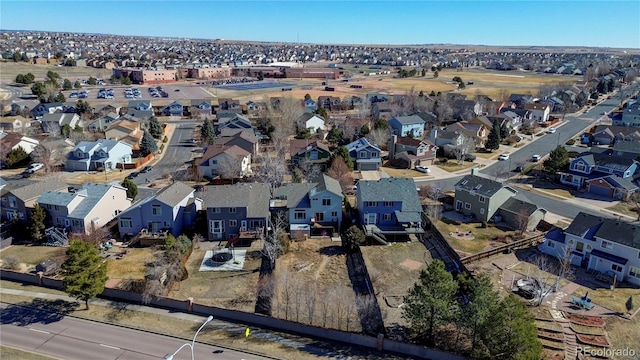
{"points": [[474, 170], [392, 146]]}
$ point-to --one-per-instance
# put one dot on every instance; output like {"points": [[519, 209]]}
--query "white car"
{"points": [[423, 169], [503, 157], [535, 158], [33, 168], [551, 130]]}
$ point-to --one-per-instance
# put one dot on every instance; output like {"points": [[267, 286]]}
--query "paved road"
{"points": [[69, 338]]}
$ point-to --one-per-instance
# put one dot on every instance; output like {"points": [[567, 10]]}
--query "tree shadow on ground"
{"points": [[332, 250], [37, 311]]}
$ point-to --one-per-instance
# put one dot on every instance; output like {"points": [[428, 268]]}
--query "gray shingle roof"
{"points": [[481, 185], [391, 189], [254, 196], [516, 206], [294, 193], [36, 189], [409, 120], [173, 194], [620, 232], [583, 222], [59, 198], [326, 182]]}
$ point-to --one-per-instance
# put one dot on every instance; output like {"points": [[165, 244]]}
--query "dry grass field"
{"points": [[32, 255], [132, 265], [9, 71]]}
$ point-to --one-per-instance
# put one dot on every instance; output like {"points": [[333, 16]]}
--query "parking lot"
{"points": [[118, 93]]}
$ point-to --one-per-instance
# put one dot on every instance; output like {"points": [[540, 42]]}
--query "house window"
{"points": [[551, 244], [126, 223], [319, 217], [607, 245], [233, 223], [634, 271], [482, 211], [362, 155], [481, 199], [76, 223], [370, 203], [254, 224], [467, 206], [334, 214], [156, 210], [579, 167], [326, 202], [374, 155], [616, 267], [167, 224], [215, 210], [216, 226], [232, 210], [213, 162], [12, 202], [55, 207], [388, 204], [386, 217], [299, 215]]}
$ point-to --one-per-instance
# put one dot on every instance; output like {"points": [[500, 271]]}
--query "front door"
{"points": [[458, 205], [371, 218], [154, 227], [580, 246], [243, 225]]}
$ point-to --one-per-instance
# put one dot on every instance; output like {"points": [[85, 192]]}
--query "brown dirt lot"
{"points": [[393, 270]]}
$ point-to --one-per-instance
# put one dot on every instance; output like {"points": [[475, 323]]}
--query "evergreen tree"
{"points": [[77, 84], [512, 333], [353, 238], [60, 98], [132, 188], [155, 128], [36, 223], [364, 130], [493, 140], [66, 130], [342, 152], [84, 271], [476, 315], [66, 84], [428, 304], [381, 124], [322, 112], [558, 160], [16, 157], [504, 130], [335, 136], [629, 304], [148, 144], [207, 133]]}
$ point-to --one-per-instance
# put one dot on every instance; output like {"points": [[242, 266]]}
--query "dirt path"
{"points": [[321, 267]]}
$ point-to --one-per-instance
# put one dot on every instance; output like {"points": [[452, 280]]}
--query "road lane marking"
{"points": [[110, 347], [40, 331]]}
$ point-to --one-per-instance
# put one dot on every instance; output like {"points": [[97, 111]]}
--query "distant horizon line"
{"points": [[329, 43]]}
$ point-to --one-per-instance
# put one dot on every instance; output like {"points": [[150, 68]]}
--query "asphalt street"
{"points": [[70, 338]]}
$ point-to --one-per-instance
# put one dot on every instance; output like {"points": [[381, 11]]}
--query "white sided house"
{"points": [[598, 244]]}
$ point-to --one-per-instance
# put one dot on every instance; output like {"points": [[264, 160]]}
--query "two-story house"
{"points": [[409, 152], [141, 109], [608, 134], [237, 211], [103, 122], [389, 208], [305, 153], [201, 109], [174, 109], [14, 123], [232, 122], [310, 105], [172, 209], [313, 205], [100, 154], [607, 174], [599, 244], [630, 117], [538, 112], [226, 161], [365, 155], [45, 108], [478, 132], [228, 107], [12, 141], [53, 123], [412, 126], [87, 209], [19, 202], [244, 139], [331, 103], [312, 122]]}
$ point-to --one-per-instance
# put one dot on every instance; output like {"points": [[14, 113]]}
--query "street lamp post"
{"points": [[193, 342]]}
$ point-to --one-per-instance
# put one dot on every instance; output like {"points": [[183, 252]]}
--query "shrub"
{"points": [[571, 142], [165, 139], [162, 147], [484, 224], [443, 160], [11, 262]]}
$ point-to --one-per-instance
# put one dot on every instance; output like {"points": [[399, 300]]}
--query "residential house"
{"points": [[331, 103], [521, 215], [389, 207], [239, 211], [244, 139], [100, 154], [45, 108], [254, 107], [103, 122], [409, 152], [226, 161], [310, 206], [407, 126], [236, 121], [602, 173], [104, 109], [608, 134], [310, 105], [201, 109], [377, 98], [381, 110], [14, 123], [478, 132], [466, 109], [228, 107], [87, 209], [12, 141], [538, 112], [480, 197], [141, 109], [53, 123], [313, 122], [22, 107], [172, 209], [520, 100], [173, 109], [446, 136], [19, 202], [630, 117], [627, 147], [598, 244], [126, 131], [365, 155], [306, 153]]}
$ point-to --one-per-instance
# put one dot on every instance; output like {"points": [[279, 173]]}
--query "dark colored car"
{"points": [[519, 168], [469, 157], [133, 175], [146, 169]]}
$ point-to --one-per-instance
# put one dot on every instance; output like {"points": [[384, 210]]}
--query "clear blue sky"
{"points": [[545, 23]]}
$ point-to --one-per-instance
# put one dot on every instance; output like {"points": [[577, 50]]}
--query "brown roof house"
{"points": [[408, 152]]}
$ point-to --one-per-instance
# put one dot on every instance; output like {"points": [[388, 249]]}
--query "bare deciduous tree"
{"points": [[47, 154], [197, 239], [340, 171], [467, 146], [230, 167], [309, 169], [311, 299], [270, 169], [522, 221], [379, 137]]}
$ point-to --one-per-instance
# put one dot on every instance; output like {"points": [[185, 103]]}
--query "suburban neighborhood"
{"points": [[331, 193]]}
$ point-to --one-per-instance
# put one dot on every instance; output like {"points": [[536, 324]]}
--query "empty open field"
{"points": [[9, 71], [32, 255]]}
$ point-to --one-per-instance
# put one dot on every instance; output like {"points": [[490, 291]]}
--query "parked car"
{"points": [[519, 168], [469, 157], [33, 168], [146, 169], [551, 130], [423, 169], [503, 157], [536, 158], [133, 175]]}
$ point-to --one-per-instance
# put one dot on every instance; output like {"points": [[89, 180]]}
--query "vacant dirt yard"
{"points": [[393, 270]]}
